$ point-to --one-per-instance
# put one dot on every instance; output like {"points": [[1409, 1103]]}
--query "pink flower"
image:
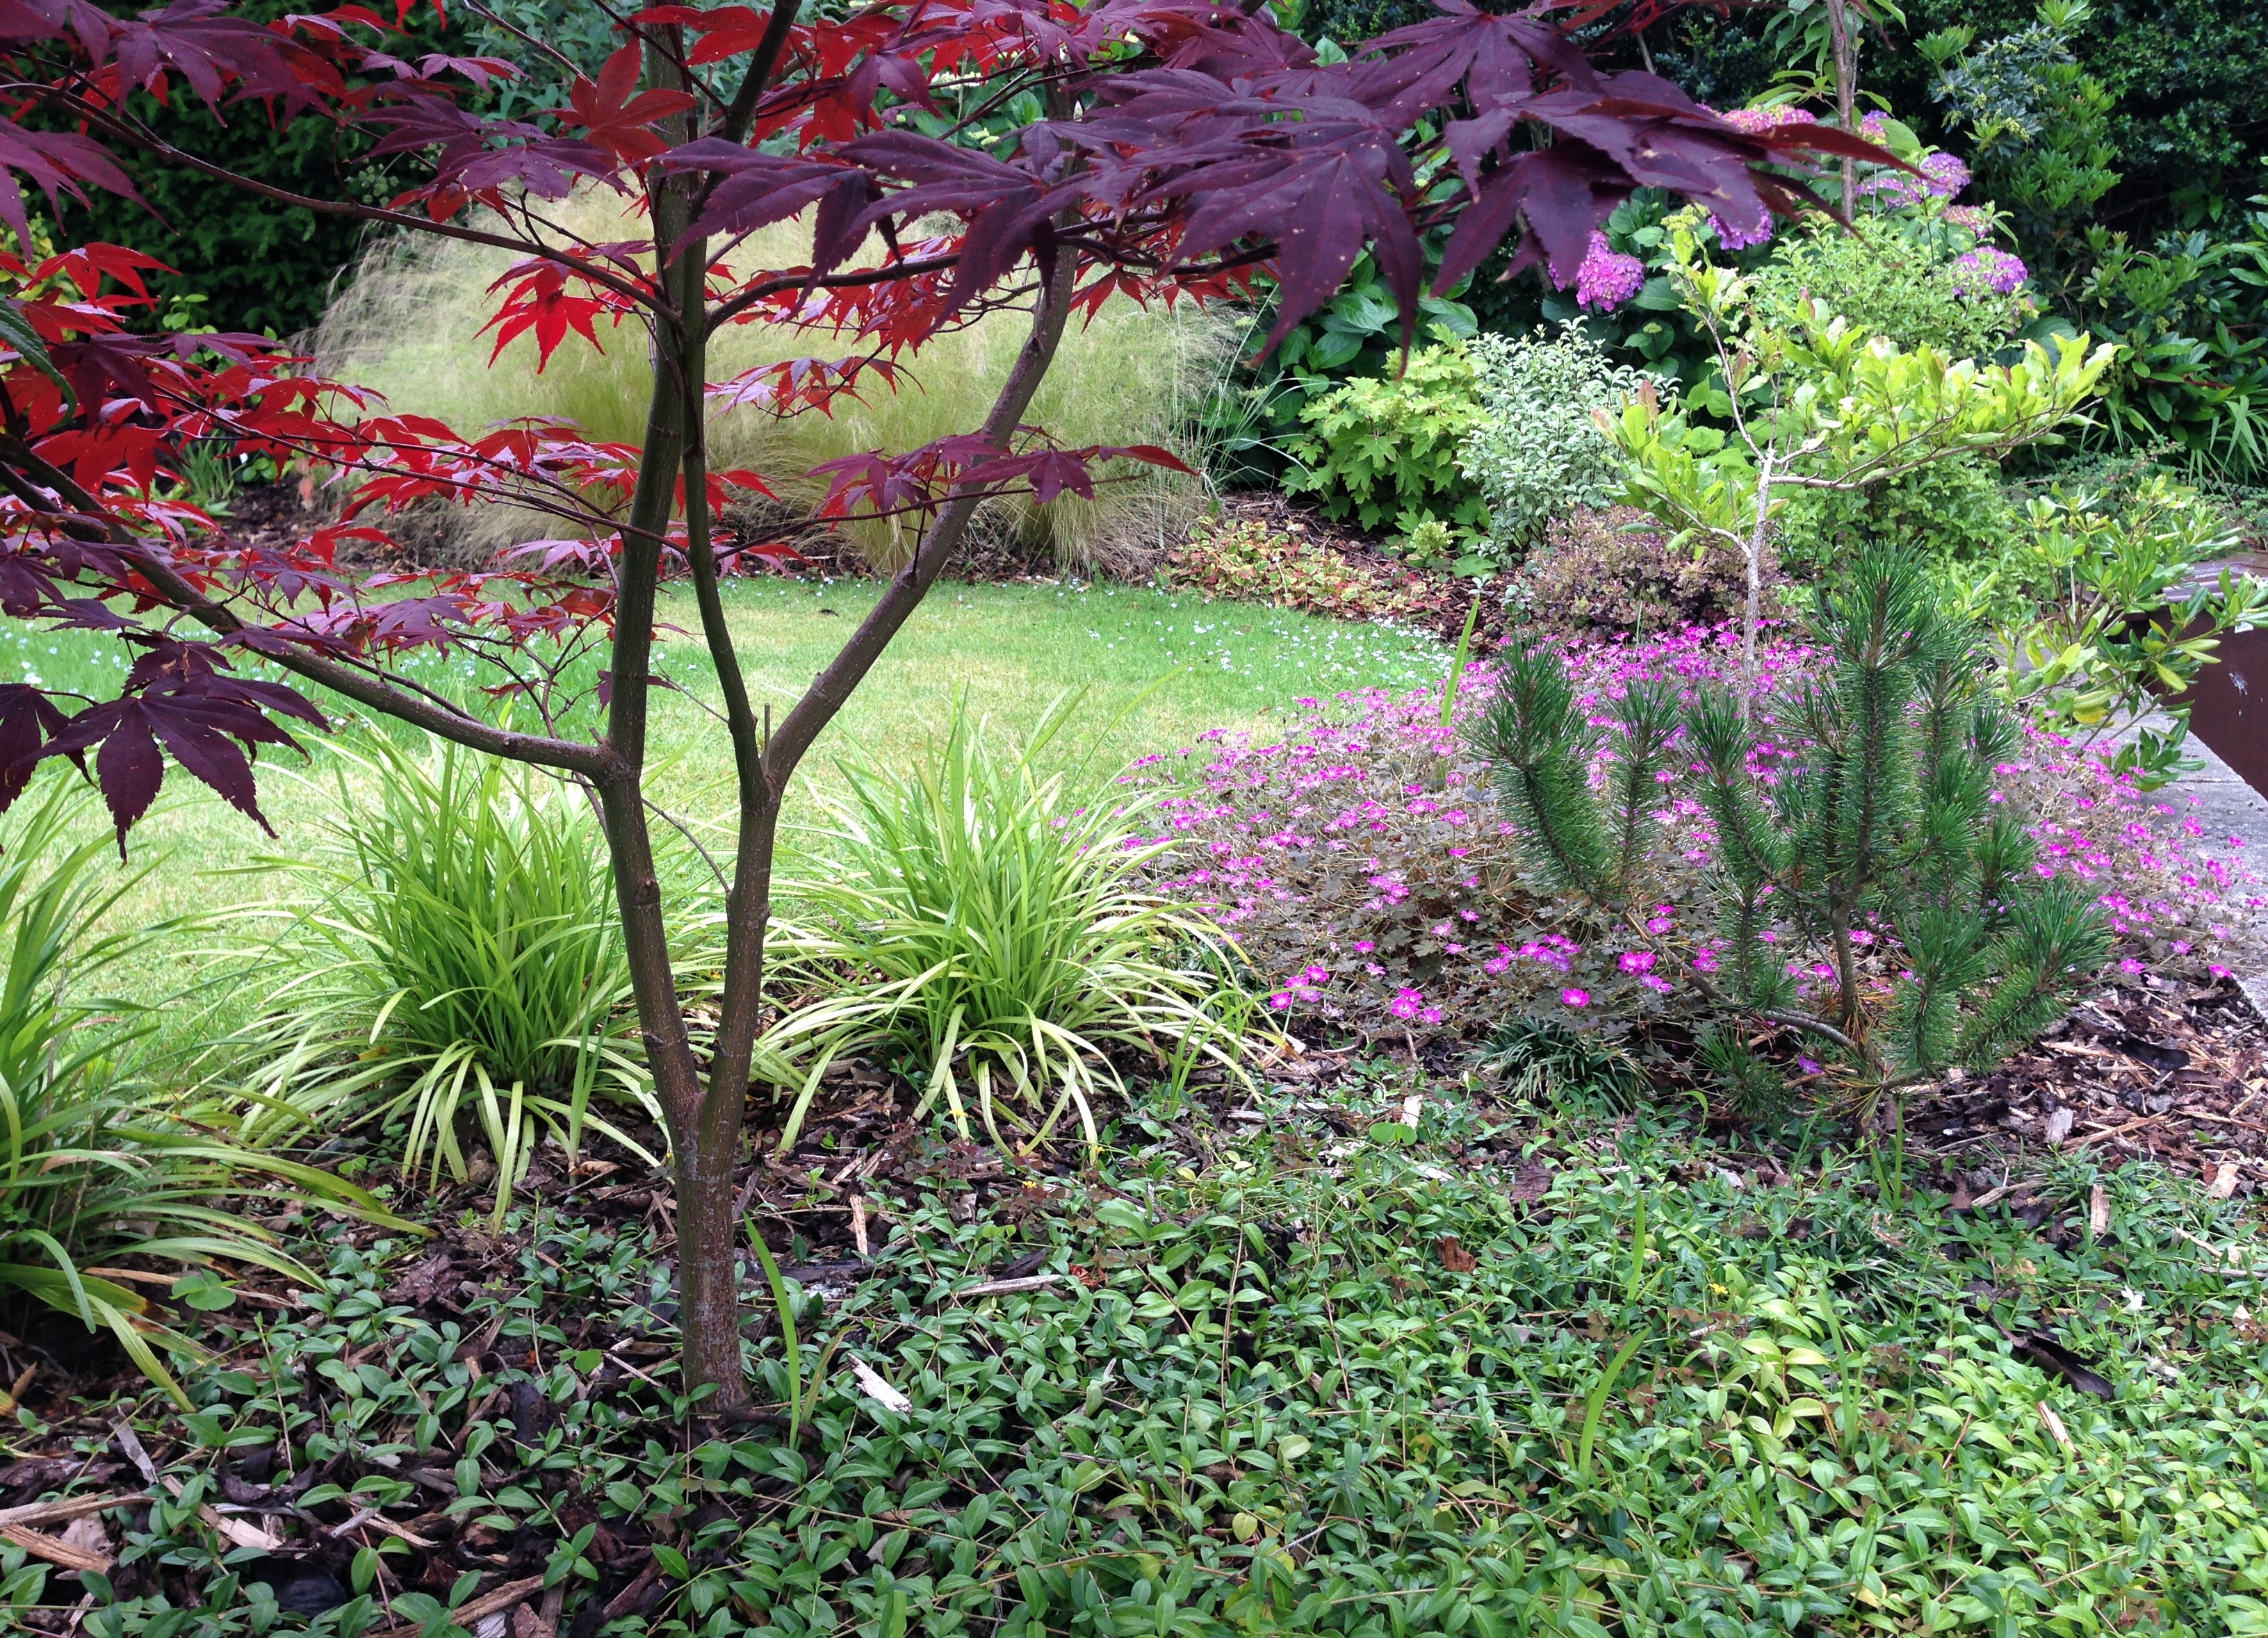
{"points": [[1606, 278], [1756, 121], [1574, 997]]}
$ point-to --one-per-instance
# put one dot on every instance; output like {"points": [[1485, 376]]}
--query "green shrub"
{"points": [[1383, 450], [991, 929], [409, 326], [458, 966], [1955, 513], [1889, 277], [1535, 452], [2106, 617], [94, 1171]]}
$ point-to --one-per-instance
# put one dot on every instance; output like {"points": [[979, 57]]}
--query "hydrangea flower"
{"points": [[1732, 238], [1946, 174], [1756, 121], [1985, 270], [1608, 278]]}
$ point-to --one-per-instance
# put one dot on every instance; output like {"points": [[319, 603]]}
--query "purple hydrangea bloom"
{"points": [[1946, 174], [1942, 176], [1756, 121], [1736, 238], [1975, 219], [1987, 268], [1608, 278]]}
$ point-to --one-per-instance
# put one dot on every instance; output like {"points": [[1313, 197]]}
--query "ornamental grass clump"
{"points": [[1874, 898], [100, 1179], [991, 929], [459, 970]]}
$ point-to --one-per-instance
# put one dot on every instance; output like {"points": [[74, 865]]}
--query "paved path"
{"points": [[2226, 807]]}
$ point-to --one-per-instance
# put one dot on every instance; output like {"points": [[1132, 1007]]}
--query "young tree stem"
{"points": [[1752, 610]]}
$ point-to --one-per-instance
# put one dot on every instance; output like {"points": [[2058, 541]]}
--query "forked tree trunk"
{"points": [[704, 1110]]}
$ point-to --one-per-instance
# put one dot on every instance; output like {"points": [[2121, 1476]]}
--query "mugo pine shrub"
{"points": [[1859, 844], [1534, 450]]}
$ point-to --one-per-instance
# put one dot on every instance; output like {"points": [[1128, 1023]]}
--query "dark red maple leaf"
{"points": [[28, 721], [178, 696], [620, 117]]}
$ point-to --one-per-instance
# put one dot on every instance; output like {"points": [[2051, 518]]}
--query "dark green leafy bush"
{"points": [[1955, 513]]}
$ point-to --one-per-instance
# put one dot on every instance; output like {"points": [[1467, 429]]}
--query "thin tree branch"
{"points": [[159, 148], [741, 113], [379, 693]]}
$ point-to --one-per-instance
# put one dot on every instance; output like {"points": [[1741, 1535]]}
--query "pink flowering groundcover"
{"points": [[1364, 865]]}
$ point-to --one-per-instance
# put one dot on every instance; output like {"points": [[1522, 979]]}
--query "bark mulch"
{"points": [[2174, 1073]]}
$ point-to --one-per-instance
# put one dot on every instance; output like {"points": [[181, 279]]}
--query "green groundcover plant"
{"points": [[1494, 1377]]}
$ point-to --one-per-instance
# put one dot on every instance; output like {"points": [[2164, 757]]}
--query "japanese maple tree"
{"points": [[1189, 148]]}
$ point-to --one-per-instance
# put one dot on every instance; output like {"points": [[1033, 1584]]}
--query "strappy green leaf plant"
{"points": [[458, 969], [106, 1192], [992, 926]]}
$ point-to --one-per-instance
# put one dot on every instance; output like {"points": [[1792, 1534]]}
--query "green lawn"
{"points": [[1164, 667]]}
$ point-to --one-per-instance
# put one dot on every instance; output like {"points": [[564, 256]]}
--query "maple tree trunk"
{"points": [[706, 1113]]}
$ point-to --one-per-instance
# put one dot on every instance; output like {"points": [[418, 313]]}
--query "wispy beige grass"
{"points": [[409, 324]]}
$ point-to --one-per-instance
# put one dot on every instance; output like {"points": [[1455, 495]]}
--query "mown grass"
{"points": [[1299, 1381], [1158, 669]]}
